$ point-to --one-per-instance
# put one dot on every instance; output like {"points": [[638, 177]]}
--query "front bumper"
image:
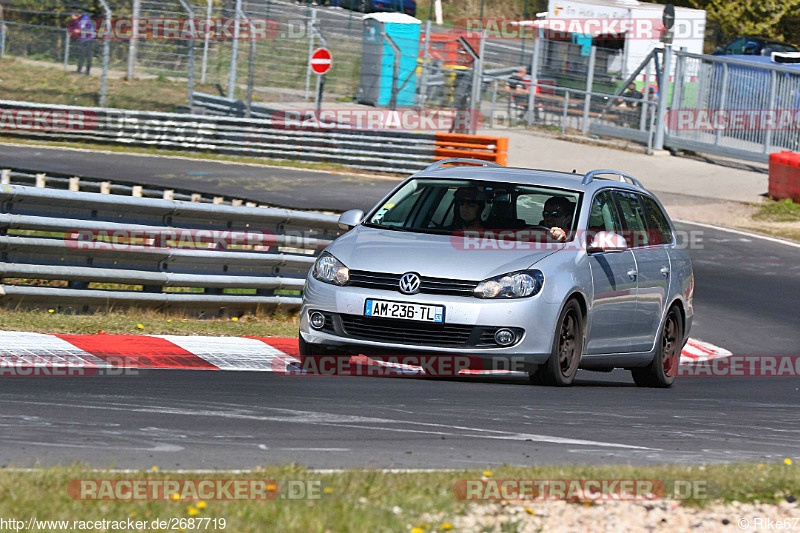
{"points": [[533, 317]]}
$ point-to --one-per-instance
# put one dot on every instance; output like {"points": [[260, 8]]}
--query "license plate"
{"points": [[404, 310]]}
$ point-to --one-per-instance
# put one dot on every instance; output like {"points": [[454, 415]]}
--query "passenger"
{"points": [[468, 209], [557, 217]]}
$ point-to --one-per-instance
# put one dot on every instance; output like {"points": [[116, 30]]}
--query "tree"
{"points": [[749, 17]]}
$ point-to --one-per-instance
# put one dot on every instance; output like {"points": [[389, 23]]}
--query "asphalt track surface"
{"points": [[276, 186], [747, 299]]}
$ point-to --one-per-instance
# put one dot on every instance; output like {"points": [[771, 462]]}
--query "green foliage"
{"points": [[747, 17]]}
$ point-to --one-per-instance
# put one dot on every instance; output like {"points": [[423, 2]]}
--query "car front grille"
{"points": [[391, 282], [420, 333]]}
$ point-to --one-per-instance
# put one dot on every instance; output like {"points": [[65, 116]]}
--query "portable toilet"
{"points": [[378, 58]]}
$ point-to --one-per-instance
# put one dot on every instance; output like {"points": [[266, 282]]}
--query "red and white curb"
{"points": [[266, 354]]}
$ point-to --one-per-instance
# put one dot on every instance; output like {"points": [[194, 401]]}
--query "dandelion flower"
{"points": [[787, 462], [192, 511], [201, 505]]}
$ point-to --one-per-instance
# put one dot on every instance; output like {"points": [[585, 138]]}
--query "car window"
{"points": [[604, 216], [633, 219], [657, 223], [429, 205], [736, 47]]}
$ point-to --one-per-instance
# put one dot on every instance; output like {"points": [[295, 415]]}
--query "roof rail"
{"points": [[589, 177], [481, 162]]}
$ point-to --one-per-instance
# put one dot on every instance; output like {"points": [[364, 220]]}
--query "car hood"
{"points": [[440, 256]]}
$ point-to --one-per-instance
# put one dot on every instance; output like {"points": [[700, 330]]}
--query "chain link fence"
{"points": [[567, 85]]}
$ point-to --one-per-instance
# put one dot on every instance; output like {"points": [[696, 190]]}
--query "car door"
{"points": [[652, 264], [613, 306]]}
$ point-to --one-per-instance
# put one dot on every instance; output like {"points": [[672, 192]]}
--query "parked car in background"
{"points": [[409, 7], [754, 46]]}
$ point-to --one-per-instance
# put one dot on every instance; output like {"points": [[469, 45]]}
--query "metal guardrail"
{"points": [[402, 152], [84, 239]]}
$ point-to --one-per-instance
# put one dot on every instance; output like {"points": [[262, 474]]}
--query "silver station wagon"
{"points": [[542, 271]]}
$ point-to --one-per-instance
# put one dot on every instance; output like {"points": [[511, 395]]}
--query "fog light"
{"points": [[504, 337], [317, 320]]}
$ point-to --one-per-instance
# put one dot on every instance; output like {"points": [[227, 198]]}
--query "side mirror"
{"points": [[607, 241], [350, 219]]}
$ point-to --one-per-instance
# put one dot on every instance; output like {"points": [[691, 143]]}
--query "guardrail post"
{"points": [[105, 187], [196, 197], [5, 176], [658, 141], [75, 184], [136, 191], [169, 194], [589, 82], [41, 180]]}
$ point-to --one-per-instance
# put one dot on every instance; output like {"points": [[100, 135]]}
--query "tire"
{"points": [[661, 371], [565, 357]]}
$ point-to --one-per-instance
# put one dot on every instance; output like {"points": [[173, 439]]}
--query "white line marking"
{"points": [[741, 232]]}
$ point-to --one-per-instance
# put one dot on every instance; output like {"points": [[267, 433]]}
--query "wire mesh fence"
{"points": [[566, 84]]}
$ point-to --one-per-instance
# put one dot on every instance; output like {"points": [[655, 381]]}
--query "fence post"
{"points": [[190, 56], [423, 93], [588, 96], [723, 97], [309, 26], [133, 41], [773, 82], [66, 50], [494, 103], [658, 142], [104, 76], [2, 32], [564, 116], [251, 72], [205, 43], [477, 83], [537, 50], [234, 52]]}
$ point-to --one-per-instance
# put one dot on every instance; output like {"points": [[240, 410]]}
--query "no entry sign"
{"points": [[321, 61]]}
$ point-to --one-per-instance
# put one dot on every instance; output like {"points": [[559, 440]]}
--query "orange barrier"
{"points": [[784, 175], [487, 148]]}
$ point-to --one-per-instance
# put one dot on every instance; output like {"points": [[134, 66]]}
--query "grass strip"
{"points": [[356, 500]]}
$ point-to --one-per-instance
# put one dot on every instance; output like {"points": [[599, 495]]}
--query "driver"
{"points": [[557, 216], [468, 209]]}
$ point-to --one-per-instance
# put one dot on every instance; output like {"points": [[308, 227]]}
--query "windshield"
{"points": [[444, 206]]}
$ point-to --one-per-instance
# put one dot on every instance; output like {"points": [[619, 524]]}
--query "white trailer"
{"points": [[635, 26]]}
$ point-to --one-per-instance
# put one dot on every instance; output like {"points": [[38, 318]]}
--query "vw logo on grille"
{"points": [[409, 283]]}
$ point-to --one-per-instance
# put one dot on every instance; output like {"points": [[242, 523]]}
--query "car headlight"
{"points": [[512, 285], [330, 270]]}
